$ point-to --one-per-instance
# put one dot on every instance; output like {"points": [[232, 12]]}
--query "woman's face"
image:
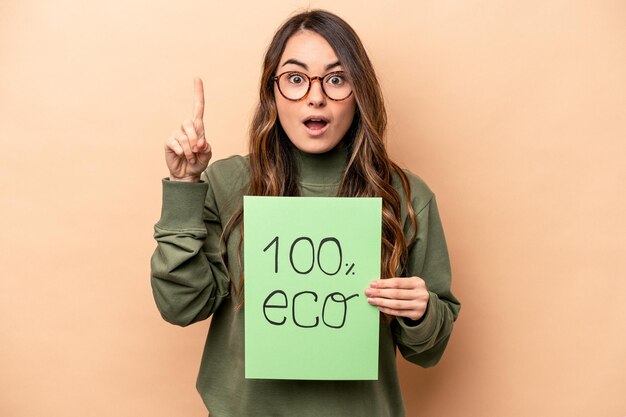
{"points": [[315, 124]]}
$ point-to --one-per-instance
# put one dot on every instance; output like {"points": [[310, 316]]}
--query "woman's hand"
{"points": [[187, 153], [401, 297]]}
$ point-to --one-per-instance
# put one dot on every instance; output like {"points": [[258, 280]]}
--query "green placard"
{"points": [[307, 261]]}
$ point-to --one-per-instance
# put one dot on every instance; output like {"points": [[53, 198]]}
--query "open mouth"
{"points": [[316, 123]]}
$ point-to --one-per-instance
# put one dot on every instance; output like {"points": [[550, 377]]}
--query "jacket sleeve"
{"points": [[188, 275], [424, 342]]}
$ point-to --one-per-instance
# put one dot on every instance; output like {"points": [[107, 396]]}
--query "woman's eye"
{"points": [[336, 80], [296, 79]]}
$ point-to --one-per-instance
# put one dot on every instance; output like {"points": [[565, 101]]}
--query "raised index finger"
{"points": [[198, 99]]}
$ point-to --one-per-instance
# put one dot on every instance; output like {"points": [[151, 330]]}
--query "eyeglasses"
{"points": [[295, 86]]}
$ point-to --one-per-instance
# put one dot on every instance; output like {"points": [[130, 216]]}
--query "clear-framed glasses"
{"points": [[295, 85]]}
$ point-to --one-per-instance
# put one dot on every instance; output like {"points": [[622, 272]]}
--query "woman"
{"points": [[318, 131]]}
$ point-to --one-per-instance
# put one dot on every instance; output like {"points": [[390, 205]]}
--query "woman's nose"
{"points": [[316, 95]]}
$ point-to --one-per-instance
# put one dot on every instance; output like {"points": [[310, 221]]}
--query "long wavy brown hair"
{"points": [[368, 172]]}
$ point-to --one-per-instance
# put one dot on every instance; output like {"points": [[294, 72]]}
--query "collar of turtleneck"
{"points": [[321, 169]]}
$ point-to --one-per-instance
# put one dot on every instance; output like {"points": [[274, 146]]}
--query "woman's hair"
{"points": [[369, 171]]}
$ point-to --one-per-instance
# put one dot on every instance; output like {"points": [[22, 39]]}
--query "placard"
{"points": [[307, 262]]}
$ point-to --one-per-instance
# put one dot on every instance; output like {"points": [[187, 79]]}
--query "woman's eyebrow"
{"points": [[296, 62], [333, 65], [305, 66]]}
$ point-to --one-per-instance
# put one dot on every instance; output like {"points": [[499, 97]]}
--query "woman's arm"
{"points": [[422, 303], [189, 278]]}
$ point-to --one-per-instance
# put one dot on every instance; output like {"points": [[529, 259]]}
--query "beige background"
{"points": [[513, 112]]}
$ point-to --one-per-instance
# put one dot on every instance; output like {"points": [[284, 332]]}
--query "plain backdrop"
{"points": [[512, 111]]}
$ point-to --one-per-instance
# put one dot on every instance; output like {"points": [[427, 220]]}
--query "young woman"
{"points": [[318, 131]]}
